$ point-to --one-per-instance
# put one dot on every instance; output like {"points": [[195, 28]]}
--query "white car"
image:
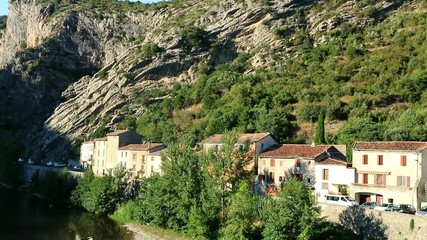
{"points": [[385, 207]]}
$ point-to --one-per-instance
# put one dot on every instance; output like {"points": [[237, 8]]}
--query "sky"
{"points": [[3, 7], [4, 10]]}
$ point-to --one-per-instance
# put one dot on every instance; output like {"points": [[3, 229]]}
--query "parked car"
{"points": [[422, 212], [384, 207], [341, 200], [78, 168], [404, 208], [21, 160], [50, 163], [59, 164], [369, 205], [30, 161]]}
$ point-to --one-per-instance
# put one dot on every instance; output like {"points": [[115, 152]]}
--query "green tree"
{"points": [[57, 186], [293, 214], [320, 129], [240, 215], [101, 195], [9, 168]]}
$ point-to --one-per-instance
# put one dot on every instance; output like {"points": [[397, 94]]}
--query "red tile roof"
{"points": [[397, 145], [142, 147], [89, 142], [116, 133], [333, 161], [241, 138], [296, 150]]}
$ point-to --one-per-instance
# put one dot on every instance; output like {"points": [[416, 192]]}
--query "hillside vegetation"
{"points": [[372, 80], [204, 67]]}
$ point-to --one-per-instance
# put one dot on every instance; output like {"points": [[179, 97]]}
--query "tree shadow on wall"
{"points": [[367, 226]]}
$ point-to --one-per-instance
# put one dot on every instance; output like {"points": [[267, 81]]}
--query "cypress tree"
{"points": [[320, 129]]}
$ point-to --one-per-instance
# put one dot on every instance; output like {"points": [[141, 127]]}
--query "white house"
{"points": [[279, 164], [86, 153], [332, 176], [258, 142], [391, 172]]}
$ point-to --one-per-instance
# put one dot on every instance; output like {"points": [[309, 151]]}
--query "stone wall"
{"points": [[397, 225]]}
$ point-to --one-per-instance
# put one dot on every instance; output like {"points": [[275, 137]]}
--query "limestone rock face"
{"points": [[63, 72]]}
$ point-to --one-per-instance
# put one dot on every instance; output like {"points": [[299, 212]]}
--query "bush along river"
{"points": [[23, 216]]}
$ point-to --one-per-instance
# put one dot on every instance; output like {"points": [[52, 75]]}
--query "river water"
{"points": [[23, 216]]}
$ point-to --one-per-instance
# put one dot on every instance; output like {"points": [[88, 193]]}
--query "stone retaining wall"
{"points": [[397, 224]]}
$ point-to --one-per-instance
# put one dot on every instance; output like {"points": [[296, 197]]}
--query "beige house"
{"points": [[258, 142], [390, 172], [106, 149], [333, 177], [99, 156], [142, 160], [279, 164], [86, 153]]}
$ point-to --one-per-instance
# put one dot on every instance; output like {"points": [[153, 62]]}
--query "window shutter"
{"points": [[398, 180], [409, 181]]}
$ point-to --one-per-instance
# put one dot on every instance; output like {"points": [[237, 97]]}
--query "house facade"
{"points": [[86, 153], [106, 149], [332, 177], [258, 142], [99, 156], [280, 164], [390, 172], [141, 160]]}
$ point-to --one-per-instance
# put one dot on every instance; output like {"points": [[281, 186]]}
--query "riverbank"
{"points": [[145, 232]]}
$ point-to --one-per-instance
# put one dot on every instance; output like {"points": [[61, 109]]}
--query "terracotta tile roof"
{"points": [[241, 138], [296, 150], [116, 133], [89, 142], [100, 139], [142, 147], [396, 145], [333, 161]]}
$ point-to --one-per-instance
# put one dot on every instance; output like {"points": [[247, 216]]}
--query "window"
{"points": [[325, 185], [365, 159], [134, 157], [380, 179], [365, 178], [297, 163], [402, 160], [325, 174], [272, 163], [280, 162], [403, 181], [380, 159]]}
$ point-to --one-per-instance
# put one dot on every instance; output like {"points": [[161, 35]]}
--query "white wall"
{"points": [[338, 175]]}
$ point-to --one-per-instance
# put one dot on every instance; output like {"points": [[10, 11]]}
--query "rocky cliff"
{"points": [[66, 70]]}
